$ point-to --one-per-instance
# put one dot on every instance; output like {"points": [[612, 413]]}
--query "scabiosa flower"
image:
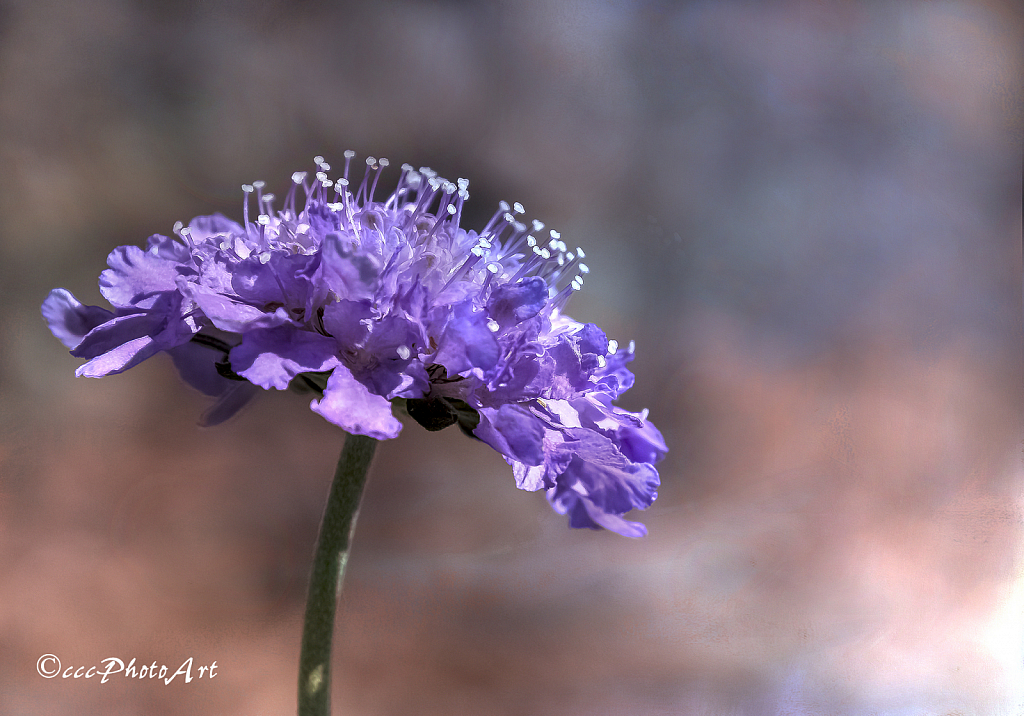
{"points": [[374, 305]]}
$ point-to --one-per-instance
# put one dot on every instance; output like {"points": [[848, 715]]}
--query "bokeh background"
{"points": [[807, 214]]}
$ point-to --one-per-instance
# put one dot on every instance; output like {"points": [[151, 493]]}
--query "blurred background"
{"points": [[808, 216]]}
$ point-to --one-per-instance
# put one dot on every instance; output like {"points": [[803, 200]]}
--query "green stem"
{"points": [[328, 570]]}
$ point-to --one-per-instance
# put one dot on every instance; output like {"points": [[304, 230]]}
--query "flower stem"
{"points": [[328, 570]]}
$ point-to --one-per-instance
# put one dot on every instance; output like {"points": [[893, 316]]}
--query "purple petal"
{"points": [[346, 272], [136, 278], [644, 444], [232, 316], [124, 356], [70, 320], [348, 322], [271, 357], [514, 432], [592, 340], [467, 342], [600, 484], [229, 403], [513, 303], [584, 514], [350, 405], [197, 366], [202, 228], [118, 331]]}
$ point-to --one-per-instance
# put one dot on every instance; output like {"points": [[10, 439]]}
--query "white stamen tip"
{"points": [[584, 268], [370, 161], [579, 252], [343, 182], [601, 362], [247, 188], [531, 242], [298, 177], [518, 208], [632, 347], [263, 219], [177, 226], [503, 206], [613, 345], [318, 160], [555, 234], [268, 197], [383, 162], [349, 154], [451, 209], [537, 225], [403, 352], [492, 325], [644, 413], [259, 184], [494, 267]]}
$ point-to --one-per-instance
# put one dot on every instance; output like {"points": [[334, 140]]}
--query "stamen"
{"points": [[503, 208], [348, 159], [247, 189], [380, 167]]}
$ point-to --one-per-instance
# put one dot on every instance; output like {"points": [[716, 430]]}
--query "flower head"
{"points": [[380, 304]]}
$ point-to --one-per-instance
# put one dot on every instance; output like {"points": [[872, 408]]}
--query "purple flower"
{"points": [[382, 305]]}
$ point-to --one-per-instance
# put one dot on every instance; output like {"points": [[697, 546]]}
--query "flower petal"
{"points": [[271, 357], [467, 342], [70, 320], [350, 405], [514, 432], [136, 278], [513, 303]]}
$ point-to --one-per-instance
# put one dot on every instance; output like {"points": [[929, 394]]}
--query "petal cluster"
{"points": [[376, 305]]}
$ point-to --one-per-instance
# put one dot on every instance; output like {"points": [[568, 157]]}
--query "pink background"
{"points": [[807, 214]]}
